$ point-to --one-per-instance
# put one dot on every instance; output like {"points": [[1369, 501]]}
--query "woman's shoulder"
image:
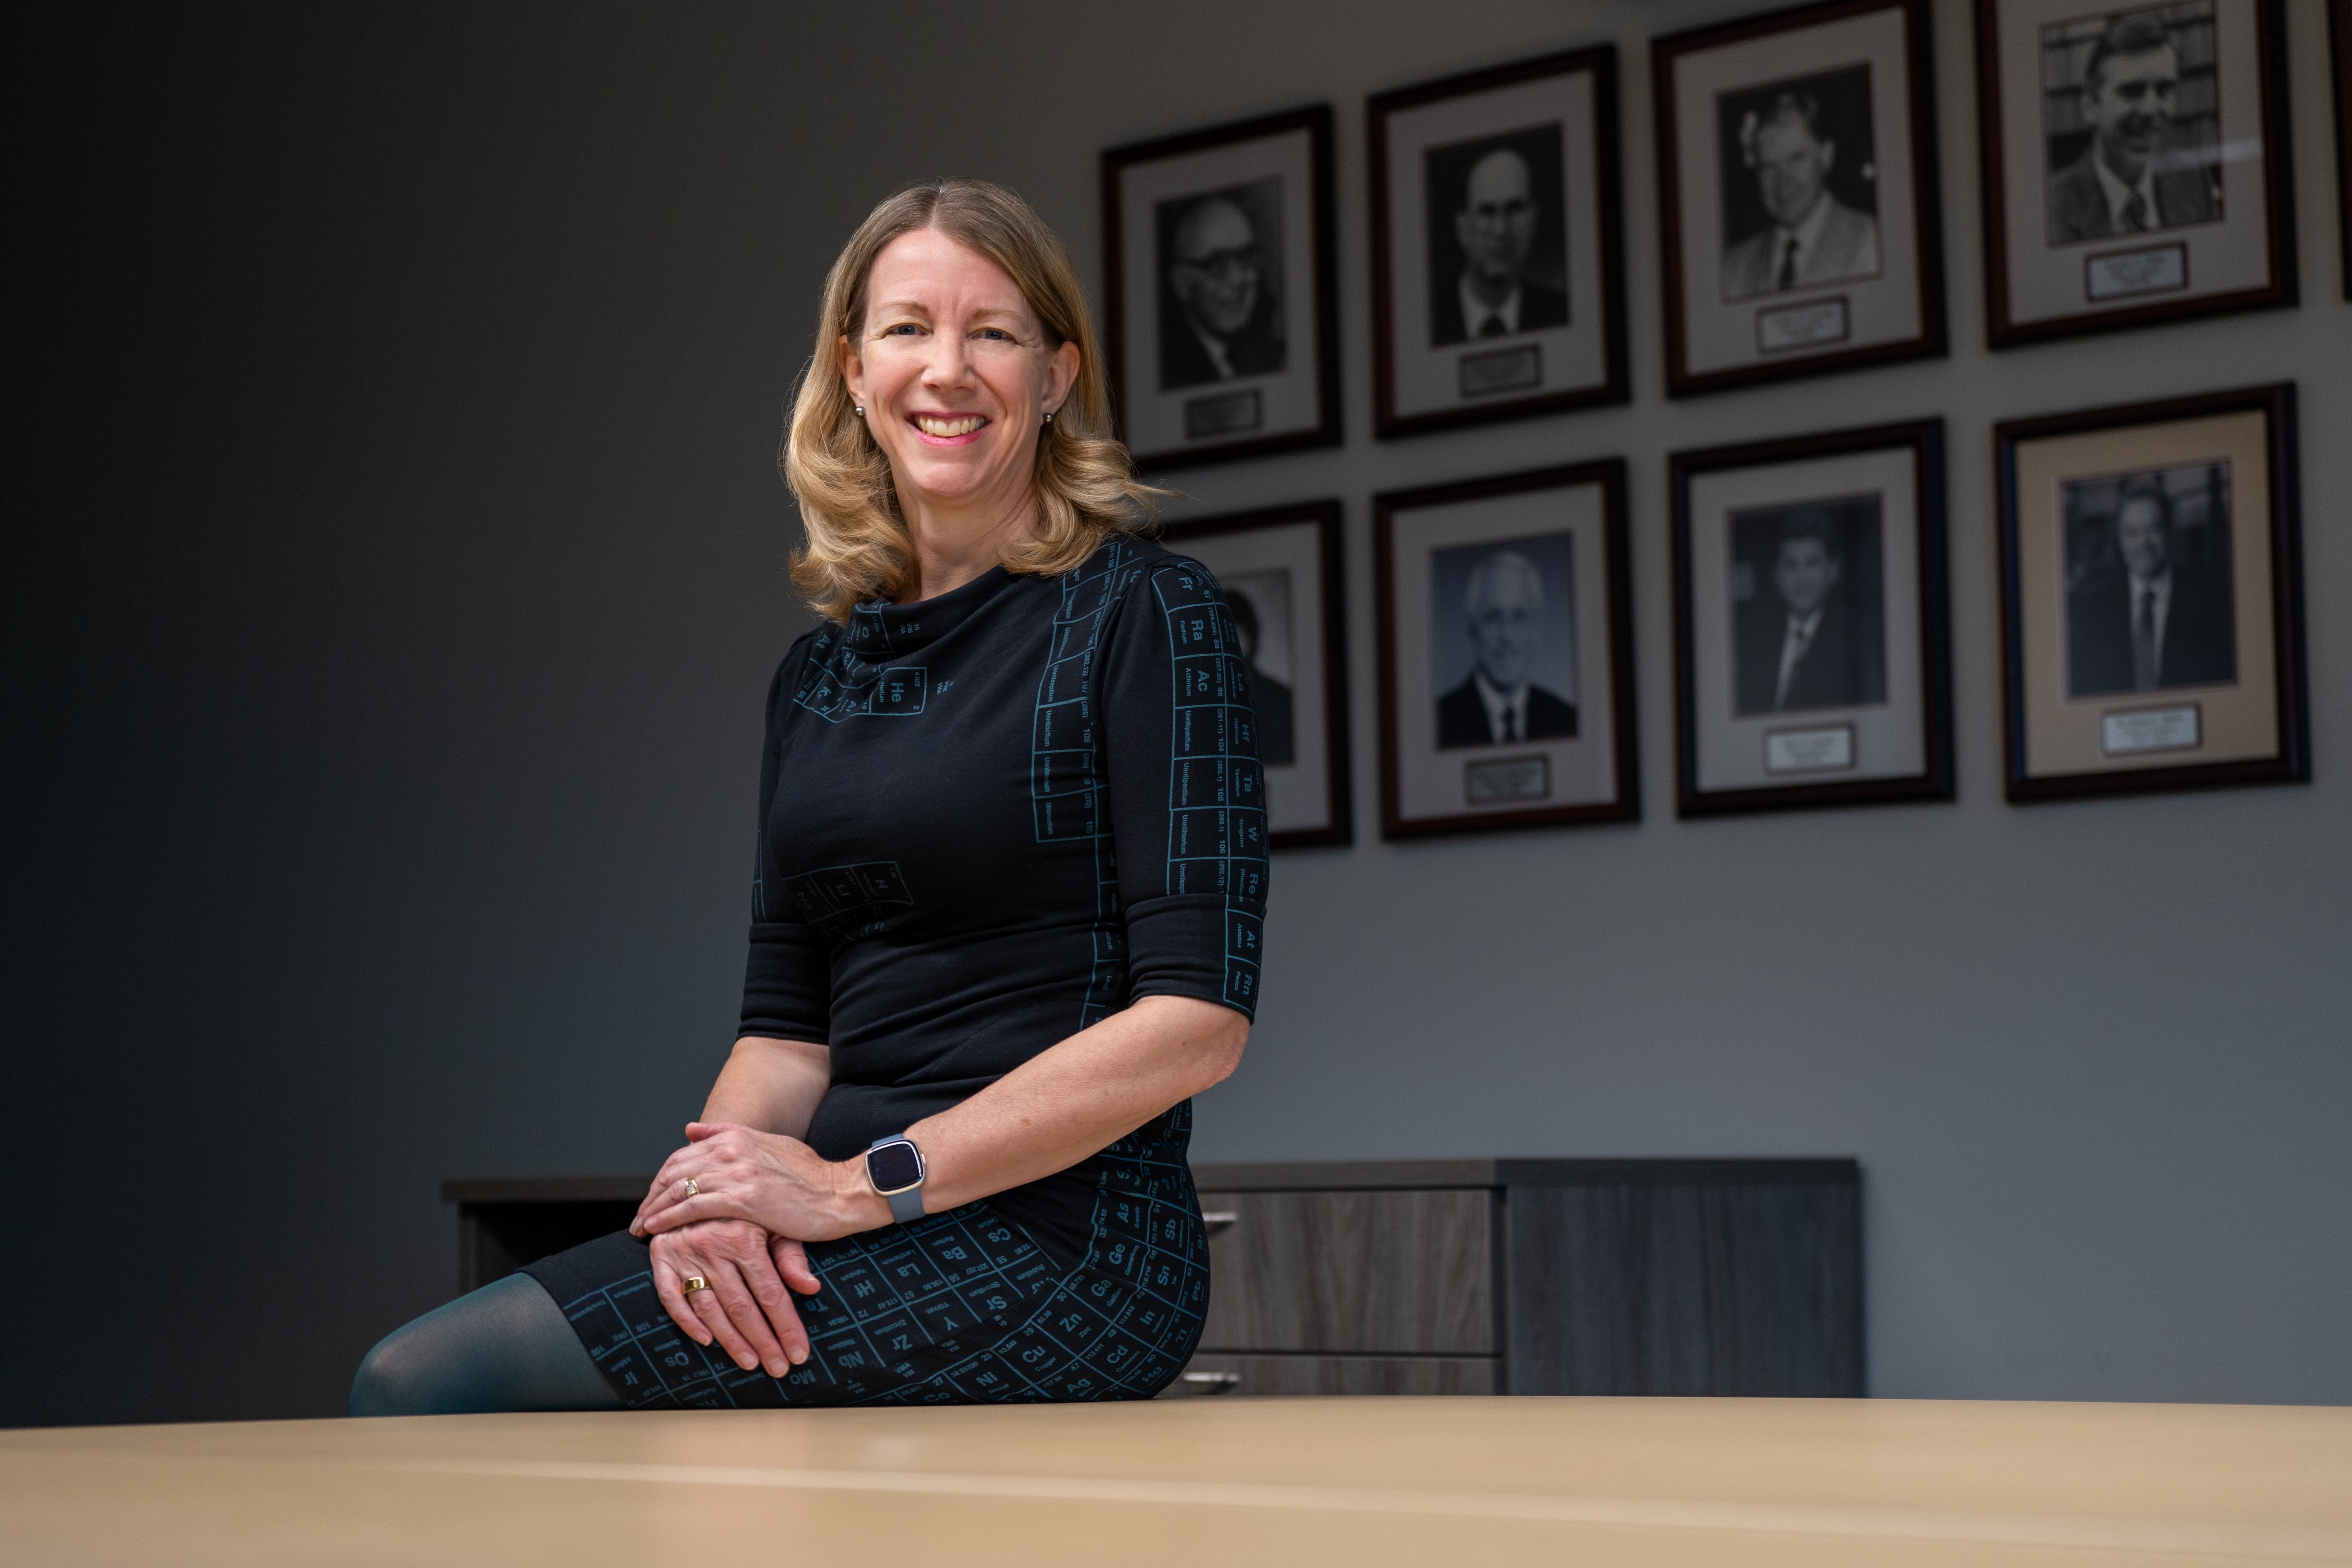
{"points": [[1137, 566]]}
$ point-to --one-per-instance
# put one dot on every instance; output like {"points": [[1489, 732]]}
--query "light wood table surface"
{"points": [[1723, 1482]]}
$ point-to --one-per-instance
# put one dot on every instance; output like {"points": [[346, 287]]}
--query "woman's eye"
{"points": [[904, 329], [998, 333]]}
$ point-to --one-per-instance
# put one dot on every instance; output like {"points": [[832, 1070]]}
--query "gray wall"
{"points": [[401, 568]]}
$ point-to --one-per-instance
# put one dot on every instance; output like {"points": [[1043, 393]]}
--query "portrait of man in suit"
{"points": [[1808, 631], [1504, 616], [2140, 169], [1498, 245], [1791, 229], [2142, 613], [1221, 286], [1260, 605]]}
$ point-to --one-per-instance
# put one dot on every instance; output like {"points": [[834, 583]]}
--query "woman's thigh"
{"points": [[505, 1346]]}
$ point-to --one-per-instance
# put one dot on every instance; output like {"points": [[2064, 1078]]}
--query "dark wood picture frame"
{"points": [[1315, 120], [1933, 340], [1936, 780], [1327, 517], [1610, 475], [1600, 61], [2291, 764], [2278, 181]]}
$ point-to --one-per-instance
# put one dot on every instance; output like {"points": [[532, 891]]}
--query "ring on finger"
{"points": [[693, 1187], [695, 1282]]}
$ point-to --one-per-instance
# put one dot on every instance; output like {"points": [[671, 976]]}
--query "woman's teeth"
{"points": [[943, 427]]}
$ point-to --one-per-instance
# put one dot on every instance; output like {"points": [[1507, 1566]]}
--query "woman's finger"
{"points": [[719, 1322], [744, 1311], [674, 1302], [767, 1288], [690, 1211], [665, 1198], [792, 1262]]}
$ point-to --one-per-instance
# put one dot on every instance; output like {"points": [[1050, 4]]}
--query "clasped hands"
{"points": [[755, 1197]]}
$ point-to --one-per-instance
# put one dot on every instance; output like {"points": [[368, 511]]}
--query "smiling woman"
{"points": [[1005, 911]]}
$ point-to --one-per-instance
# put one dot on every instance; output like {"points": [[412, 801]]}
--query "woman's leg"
{"points": [[505, 1346]]}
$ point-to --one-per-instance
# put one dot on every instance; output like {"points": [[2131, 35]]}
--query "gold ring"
{"points": [[695, 1282], [693, 1187]]}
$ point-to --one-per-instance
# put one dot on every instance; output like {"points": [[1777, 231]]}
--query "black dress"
{"points": [[987, 820]]}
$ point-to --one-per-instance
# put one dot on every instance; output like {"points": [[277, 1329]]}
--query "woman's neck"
{"points": [[954, 546]]}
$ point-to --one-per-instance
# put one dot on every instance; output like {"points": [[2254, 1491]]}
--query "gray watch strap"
{"points": [[906, 1206]]}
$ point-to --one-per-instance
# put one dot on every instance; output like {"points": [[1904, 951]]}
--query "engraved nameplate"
{"points": [[1805, 326], [2120, 274], [1507, 779], [1825, 749], [1517, 369], [2128, 730], [1226, 413]]}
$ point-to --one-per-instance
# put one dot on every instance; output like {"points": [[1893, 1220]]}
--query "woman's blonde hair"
{"points": [[857, 545]]}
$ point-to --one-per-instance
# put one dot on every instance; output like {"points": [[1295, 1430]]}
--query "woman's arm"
{"points": [[772, 1086], [1062, 1105]]}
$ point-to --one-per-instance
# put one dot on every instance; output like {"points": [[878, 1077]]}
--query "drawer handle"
{"points": [[1220, 1219], [1214, 1382]]}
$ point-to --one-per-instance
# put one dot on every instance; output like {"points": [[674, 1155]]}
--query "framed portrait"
{"points": [[1218, 263], [1506, 653], [1812, 634], [1497, 262], [2135, 162], [1280, 573], [2151, 597], [1797, 193]]}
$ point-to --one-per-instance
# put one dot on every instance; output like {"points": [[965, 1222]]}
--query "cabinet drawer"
{"points": [[1394, 1273], [1267, 1374]]}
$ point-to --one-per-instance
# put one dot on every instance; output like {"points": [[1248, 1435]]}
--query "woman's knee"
{"points": [[398, 1377]]}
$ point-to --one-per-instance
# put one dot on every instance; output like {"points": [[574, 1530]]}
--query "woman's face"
{"points": [[955, 374]]}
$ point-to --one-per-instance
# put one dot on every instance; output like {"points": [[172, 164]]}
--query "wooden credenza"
{"points": [[1678, 1276], [1669, 1276]]}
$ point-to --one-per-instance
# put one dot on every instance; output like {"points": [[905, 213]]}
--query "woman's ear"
{"points": [[1061, 375], [853, 369]]}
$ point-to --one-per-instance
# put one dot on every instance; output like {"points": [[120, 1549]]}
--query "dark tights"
{"points": [[505, 1346]]}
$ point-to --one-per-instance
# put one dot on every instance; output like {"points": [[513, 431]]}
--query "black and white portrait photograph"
{"points": [[1806, 595], [1495, 250], [1220, 285], [1497, 236], [2130, 163], [1218, 253], [1802, 210], [1506, 653], [2147, 580], [2339, 49], [2151, 613], [1798, 198], [1279, 573], [1510, 676], [1812, 645]]}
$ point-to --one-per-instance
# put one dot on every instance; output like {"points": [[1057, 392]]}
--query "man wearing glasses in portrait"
{"points": [[1221, 311], [1493, 294]]}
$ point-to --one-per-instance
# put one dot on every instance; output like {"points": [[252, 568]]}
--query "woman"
{"points": [[1005, 908]]}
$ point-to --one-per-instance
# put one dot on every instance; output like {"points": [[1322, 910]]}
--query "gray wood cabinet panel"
{"points": [[1243, 1375], [1389, 1272], [1750, 1290]]}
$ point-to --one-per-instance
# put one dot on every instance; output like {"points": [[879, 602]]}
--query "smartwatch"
{"points": [[894, 1167]]}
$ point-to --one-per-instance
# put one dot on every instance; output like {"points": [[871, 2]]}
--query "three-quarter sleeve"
{"points": [[788, 979], [1187, 794]]}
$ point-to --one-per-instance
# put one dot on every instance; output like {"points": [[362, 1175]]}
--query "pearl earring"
{"points": [[1049, 417], [860, 408]]}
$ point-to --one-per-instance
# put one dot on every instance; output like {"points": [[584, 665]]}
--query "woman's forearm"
{"points": [[772, 1086], [1065, 1103]]}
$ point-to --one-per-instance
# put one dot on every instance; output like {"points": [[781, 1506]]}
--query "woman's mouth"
{"points": [[950, 430]]}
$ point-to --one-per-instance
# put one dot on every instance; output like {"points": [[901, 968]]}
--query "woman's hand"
{"points": [[746, 1306], [779, 1184]]}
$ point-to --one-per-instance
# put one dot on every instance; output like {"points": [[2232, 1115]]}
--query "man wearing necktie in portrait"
{"points": [[2144, 611], [1505, 612], [1498, 246], [1792, 228], [1806, 639], [2134, 176]]}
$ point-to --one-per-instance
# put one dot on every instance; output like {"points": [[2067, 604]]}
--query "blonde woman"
{"points": [[1005, 913]]}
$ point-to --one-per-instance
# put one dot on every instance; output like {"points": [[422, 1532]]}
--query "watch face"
{"points": [[894, 1167]]}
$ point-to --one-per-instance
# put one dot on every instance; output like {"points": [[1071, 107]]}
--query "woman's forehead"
{"points": [[927, 267]]}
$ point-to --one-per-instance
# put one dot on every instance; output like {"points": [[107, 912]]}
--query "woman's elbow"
{"points": [[1222, 1054]]}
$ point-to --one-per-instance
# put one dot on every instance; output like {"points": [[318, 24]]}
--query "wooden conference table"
{"points": [[1203, 1482]]}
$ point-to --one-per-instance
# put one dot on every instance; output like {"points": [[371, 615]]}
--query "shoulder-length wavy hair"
{"points": [[857, 546]]}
